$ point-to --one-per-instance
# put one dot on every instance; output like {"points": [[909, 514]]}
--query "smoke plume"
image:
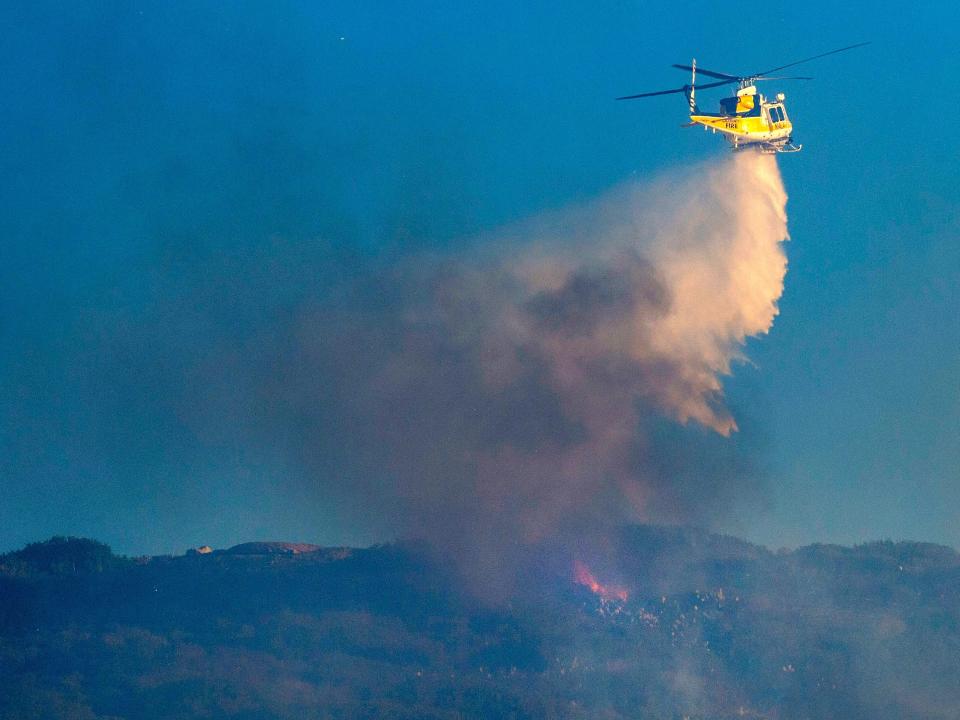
{"points": [[559, 375], [507, 392]]}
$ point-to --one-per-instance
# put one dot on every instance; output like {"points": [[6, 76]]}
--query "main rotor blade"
{"points": [[716, 84], [708, 73], [832, 52], [651, 94], [778, 77], [677, 90]]}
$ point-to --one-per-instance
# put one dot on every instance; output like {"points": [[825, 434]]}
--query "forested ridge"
{"points": [[712, 627]]}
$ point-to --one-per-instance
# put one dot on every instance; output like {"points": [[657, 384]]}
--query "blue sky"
{"points": [[144, 141]]}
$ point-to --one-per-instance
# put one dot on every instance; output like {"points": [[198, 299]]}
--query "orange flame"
{"points": [[583, 576]]}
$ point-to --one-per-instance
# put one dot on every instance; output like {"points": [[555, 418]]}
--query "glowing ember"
{"points": [[583, 576]]}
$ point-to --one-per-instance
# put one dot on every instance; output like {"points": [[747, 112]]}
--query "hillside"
{"points": [[689, 624]]}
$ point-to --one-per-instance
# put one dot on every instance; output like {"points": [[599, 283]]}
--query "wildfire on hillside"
{"points": [[582, 575]]}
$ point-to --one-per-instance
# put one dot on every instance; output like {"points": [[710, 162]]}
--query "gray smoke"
{"points": [[562, 373], [526, 385]]}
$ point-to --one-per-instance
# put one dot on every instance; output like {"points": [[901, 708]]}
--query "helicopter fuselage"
{"points": [[749, 119]]}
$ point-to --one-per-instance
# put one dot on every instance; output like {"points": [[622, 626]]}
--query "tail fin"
{"points": [[691, 90]]}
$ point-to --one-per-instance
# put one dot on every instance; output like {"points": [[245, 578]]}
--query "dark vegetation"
{"points": [[714, 628]]}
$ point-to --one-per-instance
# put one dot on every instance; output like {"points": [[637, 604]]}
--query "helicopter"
{"points": [[748, 119]]}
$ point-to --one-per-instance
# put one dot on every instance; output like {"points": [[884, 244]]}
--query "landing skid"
{"points": [[788, 147], [769, 148]]}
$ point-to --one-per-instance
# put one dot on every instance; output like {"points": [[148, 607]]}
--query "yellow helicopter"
{"points": [[748, 119]]}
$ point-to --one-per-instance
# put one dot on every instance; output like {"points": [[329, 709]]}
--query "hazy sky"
{"points": [[286, 143]]}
